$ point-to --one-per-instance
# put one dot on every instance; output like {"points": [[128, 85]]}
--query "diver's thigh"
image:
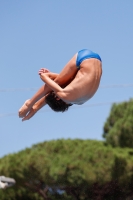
{"points": [[68, 72]]}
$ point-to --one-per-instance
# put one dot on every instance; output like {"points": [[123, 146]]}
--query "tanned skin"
{"points": [[71, 85]]}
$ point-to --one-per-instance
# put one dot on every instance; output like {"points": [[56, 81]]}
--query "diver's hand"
{"points": [[43, 70]]}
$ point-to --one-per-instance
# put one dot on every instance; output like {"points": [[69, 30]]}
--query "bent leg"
{"points": [[68, 72], [64, 78]]}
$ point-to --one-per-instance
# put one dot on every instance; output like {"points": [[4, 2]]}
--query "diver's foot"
{"points": [[24, 109]]}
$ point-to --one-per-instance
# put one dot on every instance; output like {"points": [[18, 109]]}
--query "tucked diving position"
{"points": [[76, 84]]}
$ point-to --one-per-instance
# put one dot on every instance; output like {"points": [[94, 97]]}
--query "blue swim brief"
{"points": [[85, 54]]}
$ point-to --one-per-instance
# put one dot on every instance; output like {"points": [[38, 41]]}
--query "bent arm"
{"points": [[52, 85], [44, 90], [52, 76]]}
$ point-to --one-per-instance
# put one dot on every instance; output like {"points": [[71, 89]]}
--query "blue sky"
{"points": [[37, 34]]}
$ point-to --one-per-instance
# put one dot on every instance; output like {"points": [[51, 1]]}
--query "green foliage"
{"points": [[118, 129], [76, 169], [67, 169]]}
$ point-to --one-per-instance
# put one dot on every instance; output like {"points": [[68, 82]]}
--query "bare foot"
{"points": [[30, 114], [24, 109]]}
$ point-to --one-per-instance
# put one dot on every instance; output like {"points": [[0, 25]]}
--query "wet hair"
{"points": [[56, 104]]}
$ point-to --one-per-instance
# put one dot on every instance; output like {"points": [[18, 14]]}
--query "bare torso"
{"points": [[85, 83], [71, 85]]}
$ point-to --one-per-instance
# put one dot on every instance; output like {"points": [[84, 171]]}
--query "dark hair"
{"points": [[56, 104]]}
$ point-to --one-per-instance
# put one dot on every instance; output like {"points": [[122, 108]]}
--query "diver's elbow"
{"points": [[61, 94]]}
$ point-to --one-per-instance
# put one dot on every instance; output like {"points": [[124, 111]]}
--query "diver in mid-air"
{"points": [[76, 84]]}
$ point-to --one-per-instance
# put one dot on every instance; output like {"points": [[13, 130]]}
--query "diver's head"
{"points": [[56, 104]]}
